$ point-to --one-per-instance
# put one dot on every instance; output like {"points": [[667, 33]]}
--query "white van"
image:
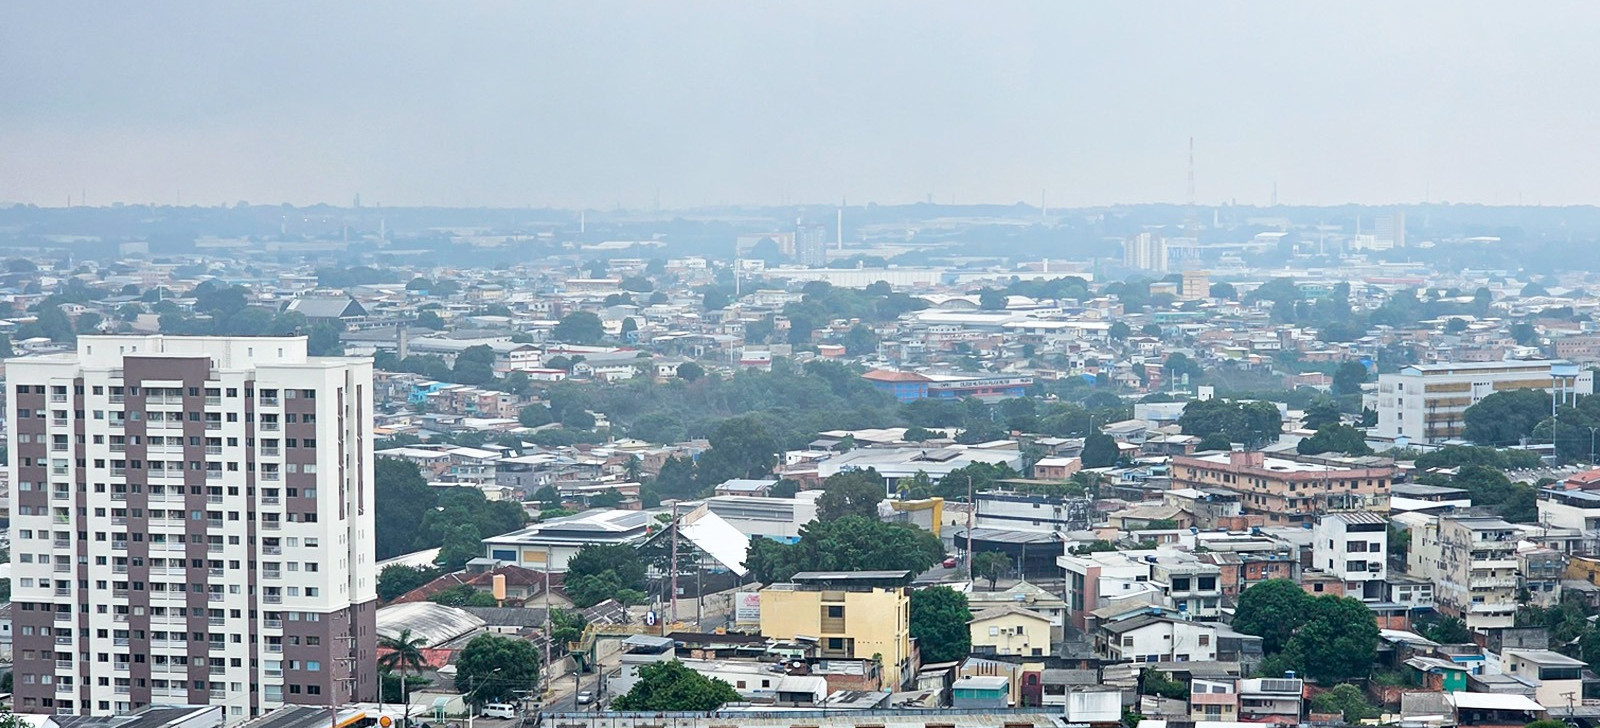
{"points": [[499, 710]]}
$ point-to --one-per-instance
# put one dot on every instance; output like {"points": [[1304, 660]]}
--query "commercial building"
{"points": [[1428, 402], [912, 386], [1355, 548], [192, 523], [549, 545], [1287, 491], [1472, 562], [849, 614]]}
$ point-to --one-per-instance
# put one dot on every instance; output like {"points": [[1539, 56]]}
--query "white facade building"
{"points": [[192, 523], [1355, 548], [1428, 402]]}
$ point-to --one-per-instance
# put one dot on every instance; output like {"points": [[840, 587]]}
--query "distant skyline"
{"points": [[611, 103]]}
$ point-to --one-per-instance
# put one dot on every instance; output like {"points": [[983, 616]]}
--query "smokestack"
{"points": [[839, 231]]}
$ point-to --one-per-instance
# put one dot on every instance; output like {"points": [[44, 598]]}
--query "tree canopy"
{"points": [[1252, 423], [605, 571], [493, 669], [851, 493], [1504, 418], [849, 543], [669, 686], [1329, 638], [939, 617]]}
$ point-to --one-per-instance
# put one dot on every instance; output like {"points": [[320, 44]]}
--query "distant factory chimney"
{"points": [[402, 341]]}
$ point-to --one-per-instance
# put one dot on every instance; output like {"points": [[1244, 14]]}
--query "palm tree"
{"points": [[404, 653]]}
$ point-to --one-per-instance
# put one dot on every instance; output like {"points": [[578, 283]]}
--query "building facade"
{"points": [[1355, 548], [1428, 402], [1472, 562], [851, 615], [193, 524], [1286, 491]]}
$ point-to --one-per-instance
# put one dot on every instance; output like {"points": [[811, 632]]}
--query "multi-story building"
{"points": [[1287, 491], [850, 614], [1152, 638], [1355, 548], [1145, 251], [1472, 562], [1428, 402], [193, 524]]}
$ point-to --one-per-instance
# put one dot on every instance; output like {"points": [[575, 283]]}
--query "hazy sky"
{"points": [[600, 103]]}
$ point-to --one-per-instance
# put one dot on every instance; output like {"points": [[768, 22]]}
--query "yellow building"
{"points": [[1010, 631], [849, 614]]}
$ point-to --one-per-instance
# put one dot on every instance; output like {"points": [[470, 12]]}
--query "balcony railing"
{"points": [[274, 647], [272, 599], [272, 623]]}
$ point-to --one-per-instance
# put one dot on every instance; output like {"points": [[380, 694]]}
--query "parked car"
{"points": [[585, 697], [499, 710], [949, 562]]}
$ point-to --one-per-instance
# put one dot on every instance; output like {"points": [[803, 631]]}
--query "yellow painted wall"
{"points": [[879, 621], [1035, 634]]}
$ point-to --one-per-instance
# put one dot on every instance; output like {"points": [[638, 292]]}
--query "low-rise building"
{"points": [[1010, 631]]}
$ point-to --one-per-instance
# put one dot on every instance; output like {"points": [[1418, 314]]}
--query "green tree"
{"points": [[851, 493], [859, 341], [1224, 291], [430, 320], [398, 579], [939, 617], [604, 571], [1347, 700], [1320, 414], [535, 415], [493, 669], [579, 327], [850, 543], [404, 653], [1156, 682], [1099, 451], [1335, 438], [53, 323], [1214, 441], [990, 299], [401, 498], [1119, 330], [1505, 417], [461, 544], [690, 371], [1337, 642], [1272, 610], [991, 565], [1445, 630], [669, 686], [1348, 378]]}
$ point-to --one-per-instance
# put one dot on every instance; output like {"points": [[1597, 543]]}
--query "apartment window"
{"points": [[834, 611]]}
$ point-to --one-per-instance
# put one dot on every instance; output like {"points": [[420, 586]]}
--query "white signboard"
{"points": [[747, 607]]}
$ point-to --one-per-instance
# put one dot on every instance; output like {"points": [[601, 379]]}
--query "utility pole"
{"points": [[972, 506], [673, 604]]}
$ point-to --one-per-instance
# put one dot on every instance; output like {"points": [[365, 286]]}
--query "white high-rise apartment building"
{"points": [[192, 522], [1145, 252]]}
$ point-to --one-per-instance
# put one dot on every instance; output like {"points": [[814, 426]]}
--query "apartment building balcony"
{"points": [[62, 687]]}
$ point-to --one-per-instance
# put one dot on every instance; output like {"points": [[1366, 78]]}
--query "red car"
{"points": [[949, 562]]}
